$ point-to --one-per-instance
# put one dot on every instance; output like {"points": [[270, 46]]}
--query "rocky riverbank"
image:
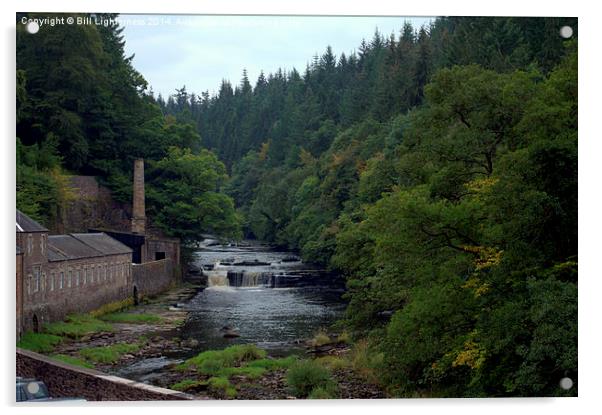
{"points": [[146, 343]]}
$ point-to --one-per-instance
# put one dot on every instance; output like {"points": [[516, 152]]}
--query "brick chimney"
{"points": [[138, 211]]}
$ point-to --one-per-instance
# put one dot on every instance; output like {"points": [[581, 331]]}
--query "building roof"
{"points": [[83, 245], [103, 243], [27, 224]]}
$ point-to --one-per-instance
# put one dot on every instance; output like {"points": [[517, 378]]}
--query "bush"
{"points": [[305, 376], [321, 393], [39, 342]]}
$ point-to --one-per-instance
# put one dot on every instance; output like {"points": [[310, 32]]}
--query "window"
{"points": [[77, 278], [61, 280], [29, 279], [69, 275], [36, 279], [29, 243], [42, 243], [44, 282], [52, 281]]}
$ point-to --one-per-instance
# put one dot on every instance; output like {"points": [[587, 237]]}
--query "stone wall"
{"points": [[92, 207], [64, 380], [152, 278], [87, 284]]}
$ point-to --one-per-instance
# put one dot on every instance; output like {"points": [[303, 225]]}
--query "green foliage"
{"points": [[321, 393], [184, 196], [112, 307], [188, 384], [108, 354], [306, 376], [221, 387], [39, 342], [132, 318], [77, 325], [212, 362], [72, 360], [273, 364]]}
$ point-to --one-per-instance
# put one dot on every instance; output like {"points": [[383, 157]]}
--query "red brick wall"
{"points": [[19, 284], [106, 279]]}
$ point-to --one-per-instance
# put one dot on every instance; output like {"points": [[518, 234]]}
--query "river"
{"points": [[269, 298], [266, 297]]}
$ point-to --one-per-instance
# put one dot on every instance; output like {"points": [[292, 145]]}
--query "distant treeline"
{"points": [[436, 169]]}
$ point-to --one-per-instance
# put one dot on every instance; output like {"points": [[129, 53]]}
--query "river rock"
{"points": [[229, 334]]}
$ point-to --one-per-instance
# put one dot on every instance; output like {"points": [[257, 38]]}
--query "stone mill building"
{"points": [[57, 275]]}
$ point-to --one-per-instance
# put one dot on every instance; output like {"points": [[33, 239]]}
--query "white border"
{"points": [[589, 229]]}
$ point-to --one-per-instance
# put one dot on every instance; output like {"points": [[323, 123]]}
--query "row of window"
{"points": [[93, 274]]}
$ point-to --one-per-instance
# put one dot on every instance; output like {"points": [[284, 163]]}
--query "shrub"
{"points": [[322, 393], [304, 376], [39, 342]]}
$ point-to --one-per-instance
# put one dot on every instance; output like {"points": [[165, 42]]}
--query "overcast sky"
{"points": [[200, 51]]}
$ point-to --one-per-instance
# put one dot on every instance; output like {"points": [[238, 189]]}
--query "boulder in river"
{"points": [[229, 332]]}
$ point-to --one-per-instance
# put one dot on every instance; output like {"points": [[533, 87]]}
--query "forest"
{"points": [[435, 168]]}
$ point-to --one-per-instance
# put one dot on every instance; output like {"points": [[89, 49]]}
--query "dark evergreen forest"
{"points": [[436, 168]]}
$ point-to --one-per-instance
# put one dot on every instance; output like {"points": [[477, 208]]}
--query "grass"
{"points": [[188, 384], [108, 354], [72, 360], [365, 362], [321, 339], [77, 325], [212, 362], [307, 376], [39, 342], [273, 364], [221, 387], [132, 318], [113, 307], [333, 362]]}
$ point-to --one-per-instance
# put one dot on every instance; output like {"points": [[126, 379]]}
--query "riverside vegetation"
{"points": [[435, 168]]}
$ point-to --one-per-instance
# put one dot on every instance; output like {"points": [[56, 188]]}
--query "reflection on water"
{"points": [[273, 318]]}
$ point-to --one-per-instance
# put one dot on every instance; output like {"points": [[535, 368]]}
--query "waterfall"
{"points": [[217, 279], [249, 278]]}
